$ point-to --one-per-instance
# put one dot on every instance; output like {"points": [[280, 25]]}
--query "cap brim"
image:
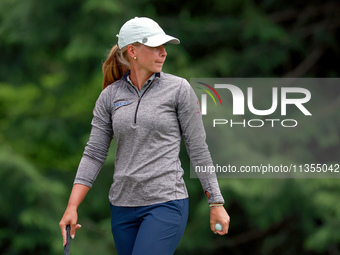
{"points": [[158, 40]]}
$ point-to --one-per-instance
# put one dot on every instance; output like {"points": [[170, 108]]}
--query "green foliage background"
{"points": [[50, 77]]}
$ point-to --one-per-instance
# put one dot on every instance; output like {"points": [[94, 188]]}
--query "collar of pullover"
{"points": [[126, 77]]}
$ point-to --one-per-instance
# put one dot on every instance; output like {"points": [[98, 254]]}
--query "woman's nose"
{"points": [[163, 51]]}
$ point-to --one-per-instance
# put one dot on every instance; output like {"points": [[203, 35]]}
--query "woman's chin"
{"points": [[157, 70]]}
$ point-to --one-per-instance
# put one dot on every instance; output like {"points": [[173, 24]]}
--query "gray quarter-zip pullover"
{"points": [[148, 128]]}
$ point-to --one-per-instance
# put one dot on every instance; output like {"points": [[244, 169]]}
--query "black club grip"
{"points": [[68, 241]]}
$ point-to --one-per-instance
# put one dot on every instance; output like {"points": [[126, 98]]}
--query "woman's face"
{"points": [[150, 58]]}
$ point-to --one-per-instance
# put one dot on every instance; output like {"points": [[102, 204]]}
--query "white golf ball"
{"points": [[218, 227]]}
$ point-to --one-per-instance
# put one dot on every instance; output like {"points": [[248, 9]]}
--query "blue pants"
{"points": [[152, 230]]}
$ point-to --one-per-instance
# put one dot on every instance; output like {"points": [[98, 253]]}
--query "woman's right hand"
{"points": [[70, 217]]}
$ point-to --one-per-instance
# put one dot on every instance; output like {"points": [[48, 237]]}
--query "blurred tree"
{"points": [[50, 77], [30, 204]]}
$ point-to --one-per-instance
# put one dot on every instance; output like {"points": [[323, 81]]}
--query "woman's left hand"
{"points": [[219, 215]]}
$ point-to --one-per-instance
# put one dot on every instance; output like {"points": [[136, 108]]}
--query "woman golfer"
{"points": [[147, 112]]}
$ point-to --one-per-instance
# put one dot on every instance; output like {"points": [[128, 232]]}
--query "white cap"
{"points": [[145, 31]]}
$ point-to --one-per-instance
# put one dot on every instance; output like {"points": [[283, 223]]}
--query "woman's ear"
{"points": [[131, 51]]}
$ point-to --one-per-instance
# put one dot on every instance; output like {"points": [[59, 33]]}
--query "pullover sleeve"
{"points": [[194, 136], [97, 147]]}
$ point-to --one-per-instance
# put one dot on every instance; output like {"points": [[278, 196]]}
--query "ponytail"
{"points": [[115, 65]]}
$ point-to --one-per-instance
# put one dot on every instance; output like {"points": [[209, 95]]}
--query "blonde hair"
{"points": [[116, 64]]}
